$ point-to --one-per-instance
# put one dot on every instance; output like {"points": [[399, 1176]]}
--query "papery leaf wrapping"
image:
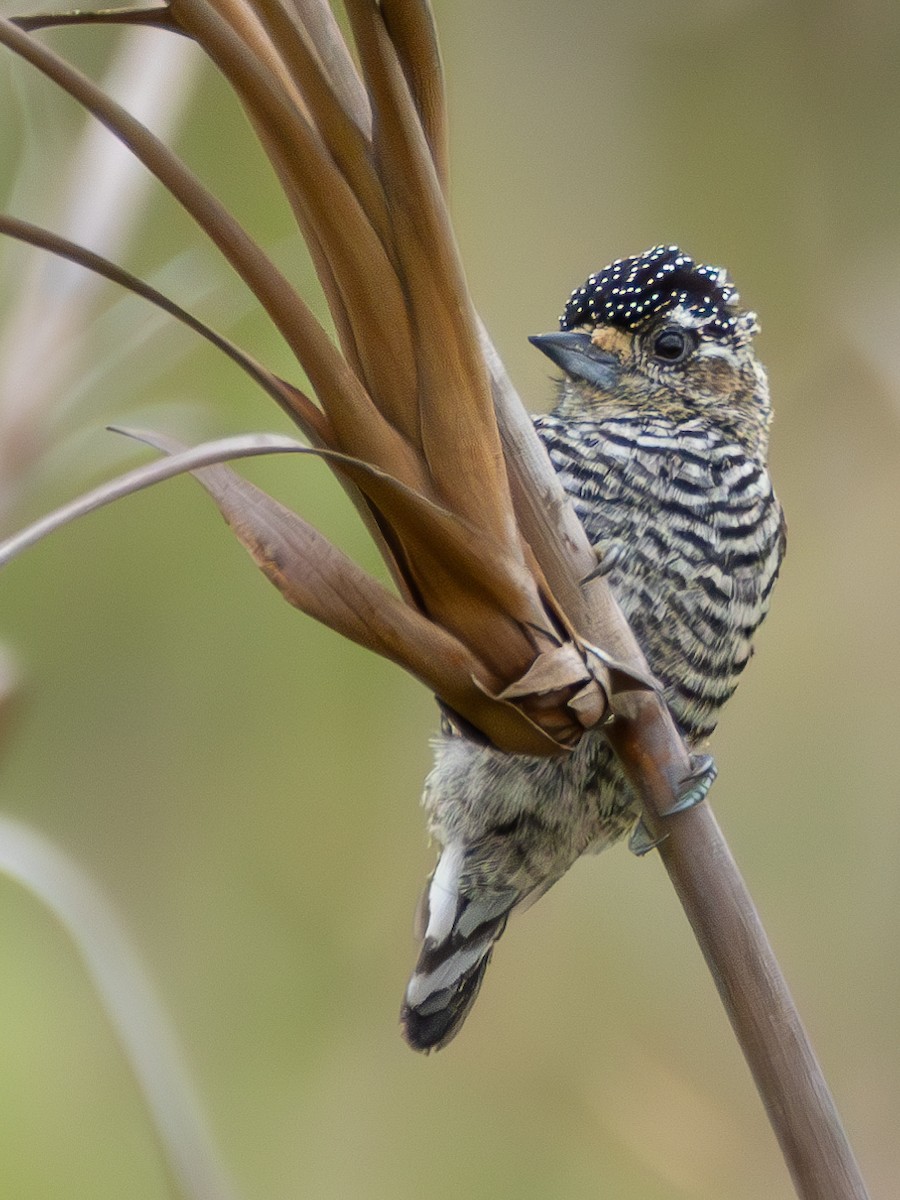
{"points": [[551, 671], [458, 428], [410, 24], [370, 290]]}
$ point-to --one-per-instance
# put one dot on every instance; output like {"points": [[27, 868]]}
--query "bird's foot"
{"points": [[695, 788], [641, 841]]}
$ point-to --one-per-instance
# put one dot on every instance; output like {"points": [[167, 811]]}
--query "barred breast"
{"points": [[695, 536], [688, 520]]}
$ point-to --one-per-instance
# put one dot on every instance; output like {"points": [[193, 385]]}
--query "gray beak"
{"points": [[580, 358]]}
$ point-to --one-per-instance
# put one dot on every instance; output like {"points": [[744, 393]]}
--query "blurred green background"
{"points": [[244, 785]]}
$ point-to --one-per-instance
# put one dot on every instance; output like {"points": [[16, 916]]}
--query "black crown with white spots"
{"points": [[632, 290]]}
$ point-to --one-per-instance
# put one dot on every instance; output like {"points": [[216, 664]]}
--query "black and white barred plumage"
{"points": [[660, 436]]}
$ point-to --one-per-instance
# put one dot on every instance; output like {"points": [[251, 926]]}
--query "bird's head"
{"points": [[662, 332]]}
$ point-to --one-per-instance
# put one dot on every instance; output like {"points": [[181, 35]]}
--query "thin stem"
{"points": [[760, 1008], [245, 445], [146, 18]]}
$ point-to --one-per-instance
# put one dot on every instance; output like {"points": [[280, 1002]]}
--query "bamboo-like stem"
{"points": [[760, 1007]]}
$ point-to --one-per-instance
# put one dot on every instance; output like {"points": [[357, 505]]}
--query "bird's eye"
{"points": [[672, 345]]}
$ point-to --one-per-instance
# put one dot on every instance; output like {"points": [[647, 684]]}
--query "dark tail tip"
{"points": [[437, 1020]]}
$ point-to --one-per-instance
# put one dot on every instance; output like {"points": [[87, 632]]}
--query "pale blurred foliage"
{"points": [[246, 786], [96, 198]]}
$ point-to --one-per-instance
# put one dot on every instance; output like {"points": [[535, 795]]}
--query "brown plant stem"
{"points": [[760, 1008]]}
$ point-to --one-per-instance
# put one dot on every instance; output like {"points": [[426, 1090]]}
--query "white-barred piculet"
{"points": [[660, 437]]}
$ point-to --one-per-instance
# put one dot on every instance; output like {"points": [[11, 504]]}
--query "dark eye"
{"points": [[672, 345]]}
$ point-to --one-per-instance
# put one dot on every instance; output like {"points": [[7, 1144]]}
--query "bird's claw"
{"points": [[641, 841], [696, 785], [607, 558], [695, 790]]}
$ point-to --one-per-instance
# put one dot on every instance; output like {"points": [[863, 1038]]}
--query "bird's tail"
{"points": [[460, 929]]}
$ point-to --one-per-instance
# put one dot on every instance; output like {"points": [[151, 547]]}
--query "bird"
{"points": [[659, 436]]}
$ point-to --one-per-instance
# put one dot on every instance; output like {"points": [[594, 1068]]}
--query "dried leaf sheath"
{"points": [[436, 485], [459, 432], [370, 291], [444, 394], [414, 37]]}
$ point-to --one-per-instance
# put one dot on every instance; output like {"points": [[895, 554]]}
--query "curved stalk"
{"points": [[245, 445]]}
